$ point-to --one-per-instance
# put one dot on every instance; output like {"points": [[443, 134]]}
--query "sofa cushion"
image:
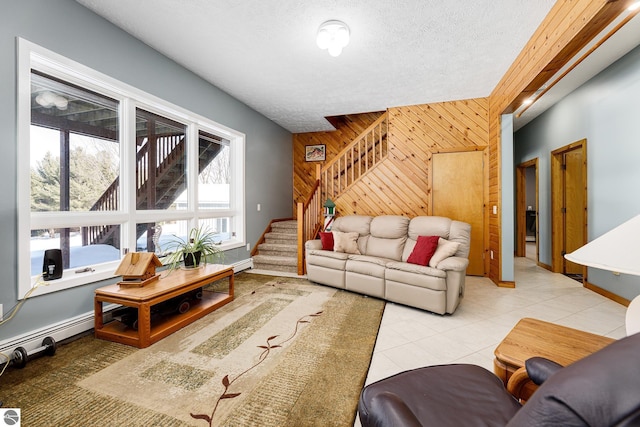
{"points": [[423, 250], [327, 240], [429, 226], [389, 226], [388, 236], [461, 232], [354, 223], [445, 250], [385, 248], [345, 242], [358, 223], [333, 260], [434, 282], [328, 254], [416, 269], [372, 259], [365, 268]]}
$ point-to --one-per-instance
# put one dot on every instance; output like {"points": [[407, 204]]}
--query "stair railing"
{"points": [[355, 160], [309, 216], [338, 175], [168, 148]]}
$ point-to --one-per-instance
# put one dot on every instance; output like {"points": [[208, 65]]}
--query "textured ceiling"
{"points": [[263, 52]]}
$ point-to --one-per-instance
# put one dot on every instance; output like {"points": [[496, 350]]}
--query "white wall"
{"points": [[605, 111]]}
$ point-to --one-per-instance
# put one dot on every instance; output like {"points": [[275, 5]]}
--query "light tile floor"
{"points": [[411, 338]]}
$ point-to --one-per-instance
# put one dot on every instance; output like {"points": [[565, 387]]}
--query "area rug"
{"points": [[285, 352]]}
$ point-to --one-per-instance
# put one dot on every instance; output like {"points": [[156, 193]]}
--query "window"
{"points": [[105, 168]]}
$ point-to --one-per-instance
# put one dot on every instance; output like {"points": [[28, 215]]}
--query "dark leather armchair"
{"points": [[602, 389]]}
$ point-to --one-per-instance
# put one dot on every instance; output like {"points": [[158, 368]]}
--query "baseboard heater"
{"points": [[68, 328]]}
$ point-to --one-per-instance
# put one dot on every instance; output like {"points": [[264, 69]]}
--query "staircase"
{"points": [[281, 248], [161, 178], [279, 252]]}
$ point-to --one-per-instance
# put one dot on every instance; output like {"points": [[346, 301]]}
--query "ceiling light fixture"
{"points": [[334, 36], [48, 99]]}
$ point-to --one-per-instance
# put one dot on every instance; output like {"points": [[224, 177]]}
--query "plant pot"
{"points": [[192, 259]]}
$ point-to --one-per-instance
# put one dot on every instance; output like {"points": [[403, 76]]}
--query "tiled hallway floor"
{"points": [[410, 338]]}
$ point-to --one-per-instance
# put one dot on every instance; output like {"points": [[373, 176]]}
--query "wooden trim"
{"points": [[557, 194], [607, 294], [545, 266], [261, 240], [593, 48], [521, 210], [521, 229], [443, 150], [507, 284], [300, 233]]}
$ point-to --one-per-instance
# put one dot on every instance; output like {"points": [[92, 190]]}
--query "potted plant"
{"points": [[198, 248]]}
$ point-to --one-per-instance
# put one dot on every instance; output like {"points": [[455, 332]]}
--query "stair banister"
{"points": [[338, 174], [309, 216]]}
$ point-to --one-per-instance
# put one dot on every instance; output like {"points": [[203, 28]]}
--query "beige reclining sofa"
{"points": [[370, 255]]}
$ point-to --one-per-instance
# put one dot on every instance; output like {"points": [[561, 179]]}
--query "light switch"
{"points": [[259, 207], [495, 210]]}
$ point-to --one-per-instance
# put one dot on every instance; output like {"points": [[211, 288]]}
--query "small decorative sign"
{"points": [[315, 153]]}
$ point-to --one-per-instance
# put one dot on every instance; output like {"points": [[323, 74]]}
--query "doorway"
{"points": [[457, 180], [527, 210], [569, 206]]}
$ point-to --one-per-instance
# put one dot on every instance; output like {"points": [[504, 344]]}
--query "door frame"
{"points": [[557, 196], [521, 209]]}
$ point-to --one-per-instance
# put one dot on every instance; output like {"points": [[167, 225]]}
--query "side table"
{"points": [[533, 337]]}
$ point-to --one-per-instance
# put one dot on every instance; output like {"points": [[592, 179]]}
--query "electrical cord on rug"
{"points": [[14, 310]]}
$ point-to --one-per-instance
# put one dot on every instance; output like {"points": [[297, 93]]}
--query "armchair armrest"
{"points": [[540, 369], [518, 380], [536, 371]]}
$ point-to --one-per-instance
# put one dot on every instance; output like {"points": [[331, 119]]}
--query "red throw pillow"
{"points": [[327, 240], [423, 250]]}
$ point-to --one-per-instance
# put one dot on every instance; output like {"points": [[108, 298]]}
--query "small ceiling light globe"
{"points": [[334, 36], [342, 36], [335, 50], [61, 103], [323, 38]]}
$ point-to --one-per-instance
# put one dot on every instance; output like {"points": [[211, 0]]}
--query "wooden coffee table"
{"points": [[532, 337], [168, 286]]}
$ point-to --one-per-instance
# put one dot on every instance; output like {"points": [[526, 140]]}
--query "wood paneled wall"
{"points": [[568, 27], [347, 129], [399, 185]]}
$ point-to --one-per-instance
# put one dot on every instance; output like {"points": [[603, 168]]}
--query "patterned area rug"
{"points": [[285, 352]]}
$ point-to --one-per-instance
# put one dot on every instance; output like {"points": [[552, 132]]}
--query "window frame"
{"points": [[32, 56]]}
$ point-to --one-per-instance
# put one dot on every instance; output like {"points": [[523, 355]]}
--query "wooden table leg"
{"points": [[97, 313], [231, 284], [144, 325]]}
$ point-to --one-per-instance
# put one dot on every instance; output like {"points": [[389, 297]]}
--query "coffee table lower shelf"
{"points": [[142, 299], [119, 332]]}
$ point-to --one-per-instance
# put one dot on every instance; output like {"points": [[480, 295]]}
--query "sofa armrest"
{"points": [[313, 244], [454, 263]]}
